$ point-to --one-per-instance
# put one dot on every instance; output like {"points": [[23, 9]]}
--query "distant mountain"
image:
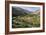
{"points": [[16, 11], [36, 12]]}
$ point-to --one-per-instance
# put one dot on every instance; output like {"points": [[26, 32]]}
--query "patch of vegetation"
{"points": [[26, 21]]}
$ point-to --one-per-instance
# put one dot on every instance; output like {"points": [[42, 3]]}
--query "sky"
{"points": [[31, 8]]}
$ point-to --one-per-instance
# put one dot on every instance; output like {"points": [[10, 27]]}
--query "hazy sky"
{"points": [[31, 8]]}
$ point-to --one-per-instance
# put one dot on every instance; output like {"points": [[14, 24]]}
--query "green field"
{"points": [[26, 21]]}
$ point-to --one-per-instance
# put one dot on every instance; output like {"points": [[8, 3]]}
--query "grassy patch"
{"points": [[26, 21]]}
